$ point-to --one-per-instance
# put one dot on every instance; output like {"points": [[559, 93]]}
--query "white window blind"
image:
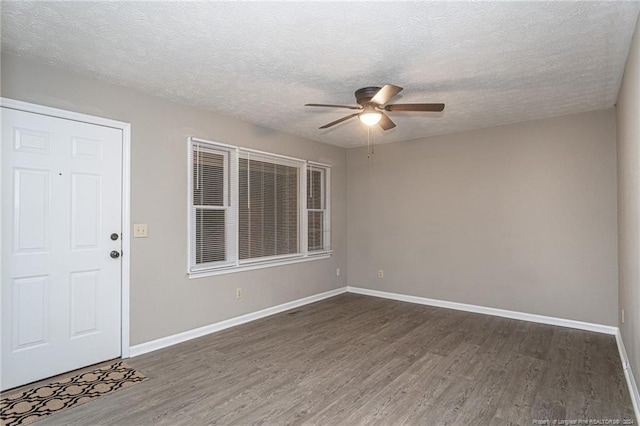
{"points": [[212, 216], [250, 209], [268, 206]]}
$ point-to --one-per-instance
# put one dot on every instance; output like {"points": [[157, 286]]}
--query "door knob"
{"points": [[114, 236], [115, 254]]}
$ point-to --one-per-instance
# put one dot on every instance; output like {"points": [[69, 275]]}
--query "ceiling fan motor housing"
{"points": [[364, 95]]}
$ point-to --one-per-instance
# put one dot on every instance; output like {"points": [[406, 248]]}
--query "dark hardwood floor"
{"points": [[355, 359]]}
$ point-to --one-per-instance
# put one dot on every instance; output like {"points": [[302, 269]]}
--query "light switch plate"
{"points": [[140, 230]]}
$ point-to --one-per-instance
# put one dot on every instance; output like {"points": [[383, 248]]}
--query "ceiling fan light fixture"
{"points": [[370, 118]]}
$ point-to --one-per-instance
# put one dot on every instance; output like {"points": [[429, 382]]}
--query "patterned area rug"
{"points": [[26, 407]]}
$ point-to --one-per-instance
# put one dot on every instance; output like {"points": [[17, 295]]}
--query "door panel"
{"points": [[85, 211], [31, 141], [31, 312], [61, 291], [84, 299], [31, 211]]}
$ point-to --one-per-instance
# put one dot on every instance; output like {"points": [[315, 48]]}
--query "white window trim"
{"points": [[327, 206], [230, 201], [234, 264]]}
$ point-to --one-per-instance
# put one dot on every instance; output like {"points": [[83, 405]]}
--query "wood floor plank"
{"points": [[355, 359], [525, 375]]}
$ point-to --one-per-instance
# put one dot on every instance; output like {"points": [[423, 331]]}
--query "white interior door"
{"points": [[61, 203]]}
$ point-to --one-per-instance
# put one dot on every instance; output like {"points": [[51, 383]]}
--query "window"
{"points": [[211, 216], [268, 205], [317, 217], [251, 209]]}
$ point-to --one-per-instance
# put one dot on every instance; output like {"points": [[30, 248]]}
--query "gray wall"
{"points": [[163, 300], [519, 217], [628, 130]]}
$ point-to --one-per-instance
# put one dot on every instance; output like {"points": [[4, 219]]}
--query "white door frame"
{"points": [[126, 185]]}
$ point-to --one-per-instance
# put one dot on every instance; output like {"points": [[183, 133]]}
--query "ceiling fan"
{"points": [[372, 104]]}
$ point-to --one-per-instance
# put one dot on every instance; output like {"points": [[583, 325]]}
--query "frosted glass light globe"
{"points": [[370, 118]]}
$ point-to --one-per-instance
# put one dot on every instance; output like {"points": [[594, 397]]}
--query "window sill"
{"points": [[259, 265]]}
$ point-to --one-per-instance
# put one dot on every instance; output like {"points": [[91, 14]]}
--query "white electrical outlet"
{"points": [[380, 274], [338, 271], [623, 316], [239, 293], [140, 230]]}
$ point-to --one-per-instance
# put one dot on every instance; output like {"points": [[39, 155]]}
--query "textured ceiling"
{"points": [[491, 62]]}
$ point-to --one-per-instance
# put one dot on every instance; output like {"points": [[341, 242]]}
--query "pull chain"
{"points": [[373, 144], [370, 148]]}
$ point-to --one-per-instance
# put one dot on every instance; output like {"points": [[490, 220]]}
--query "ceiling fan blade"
{"points": [[333, 106], [415, 107], [333, 123], [385, 94], [385, 123]]}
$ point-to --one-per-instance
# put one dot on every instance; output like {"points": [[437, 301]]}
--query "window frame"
{"points": [[325, 171], [253, 155], [230, 199], [233, 263]]}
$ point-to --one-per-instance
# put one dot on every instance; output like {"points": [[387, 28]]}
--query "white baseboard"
{"points": [[599, 328], [167, 341], [628, 375], [164, 342]]}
